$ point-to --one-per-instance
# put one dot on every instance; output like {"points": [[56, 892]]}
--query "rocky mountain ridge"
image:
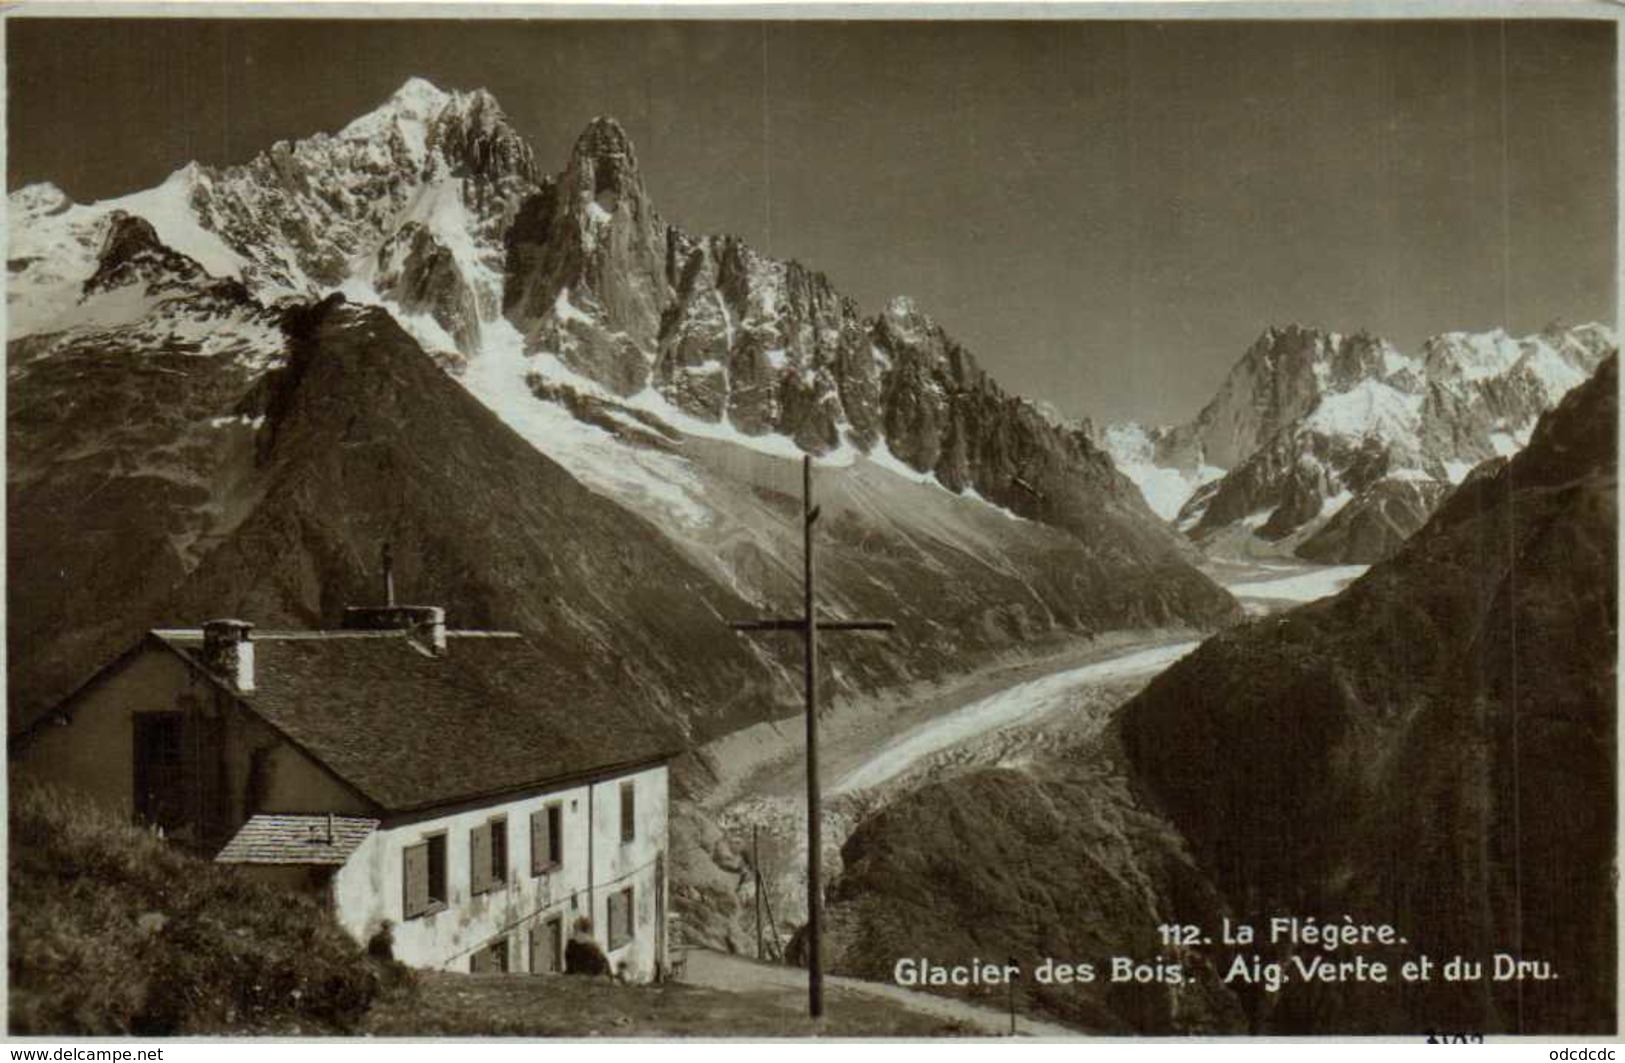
{"points": [[147, 345], [1434, 746], [1336, 447], [433, 206]]}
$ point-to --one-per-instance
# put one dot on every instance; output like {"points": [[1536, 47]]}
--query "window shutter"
{"points": [[628, 812], [620, 918], [415, 871], [479, 845]]}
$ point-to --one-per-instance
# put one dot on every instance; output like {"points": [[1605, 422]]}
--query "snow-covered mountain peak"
{"points": [[1336, 446], [406, 204], [415, 103], [419, 92], [462, 132]]}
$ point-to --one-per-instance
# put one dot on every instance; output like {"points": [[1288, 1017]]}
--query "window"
{"points": [[492, 959], [546, 839], [620, 918], [423, 873], [488, 855], [629, 812], [547, 947]]}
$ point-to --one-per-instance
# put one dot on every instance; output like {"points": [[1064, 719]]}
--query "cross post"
{"points": [[809, 626]]}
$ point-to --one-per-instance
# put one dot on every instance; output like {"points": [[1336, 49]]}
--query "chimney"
{"points": [[426, 621], [229, 653]]}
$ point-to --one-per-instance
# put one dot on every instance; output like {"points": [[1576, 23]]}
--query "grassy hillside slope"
{"points": [[113, 931]]}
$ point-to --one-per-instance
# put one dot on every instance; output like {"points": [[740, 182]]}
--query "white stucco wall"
{"points": [[640, 863], [369, 889]]}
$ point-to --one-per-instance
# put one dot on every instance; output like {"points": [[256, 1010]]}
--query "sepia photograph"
{"points": [[883, 523]]}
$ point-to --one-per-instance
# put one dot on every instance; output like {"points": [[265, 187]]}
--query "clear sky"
{"points": [[1105, 213]]}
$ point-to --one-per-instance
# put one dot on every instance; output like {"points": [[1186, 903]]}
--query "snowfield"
{"points": [[1165, 490]]}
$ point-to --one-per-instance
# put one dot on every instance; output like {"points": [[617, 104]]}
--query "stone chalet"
{"points": [[450, 784]]}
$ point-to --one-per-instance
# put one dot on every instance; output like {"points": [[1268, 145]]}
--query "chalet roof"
{"points": [[409, 730], [296, 840]]}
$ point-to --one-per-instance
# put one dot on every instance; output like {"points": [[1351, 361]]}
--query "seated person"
{"points": [[582, 954]]}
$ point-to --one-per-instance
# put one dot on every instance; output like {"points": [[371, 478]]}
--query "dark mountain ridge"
{"points": [[1434, 747]]}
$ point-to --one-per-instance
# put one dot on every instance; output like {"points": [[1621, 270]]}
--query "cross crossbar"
{"points": [[800, 624]]}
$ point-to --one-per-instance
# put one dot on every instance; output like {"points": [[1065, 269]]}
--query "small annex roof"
{"points": [[296, 840], [411, 730]]}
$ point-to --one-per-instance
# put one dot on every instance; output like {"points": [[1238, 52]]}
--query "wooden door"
{"points": [[547, 947]]}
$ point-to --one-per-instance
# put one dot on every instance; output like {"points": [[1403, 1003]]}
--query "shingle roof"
{"points": [[409, 730], [296, 840]]}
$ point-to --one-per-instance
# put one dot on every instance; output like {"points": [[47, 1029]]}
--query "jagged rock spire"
{"points": [[594, 282]]}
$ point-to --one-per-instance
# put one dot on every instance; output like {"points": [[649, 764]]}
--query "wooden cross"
{"points": [[809, 626]]}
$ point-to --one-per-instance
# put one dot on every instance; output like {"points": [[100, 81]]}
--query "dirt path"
{"points": [[736, 974]]}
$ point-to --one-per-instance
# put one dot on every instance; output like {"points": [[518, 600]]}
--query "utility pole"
{"points": [[389, 575], [756, 874], [809, 626]]}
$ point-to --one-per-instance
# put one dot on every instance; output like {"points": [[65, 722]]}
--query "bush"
{"points": [[112, 931]]}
